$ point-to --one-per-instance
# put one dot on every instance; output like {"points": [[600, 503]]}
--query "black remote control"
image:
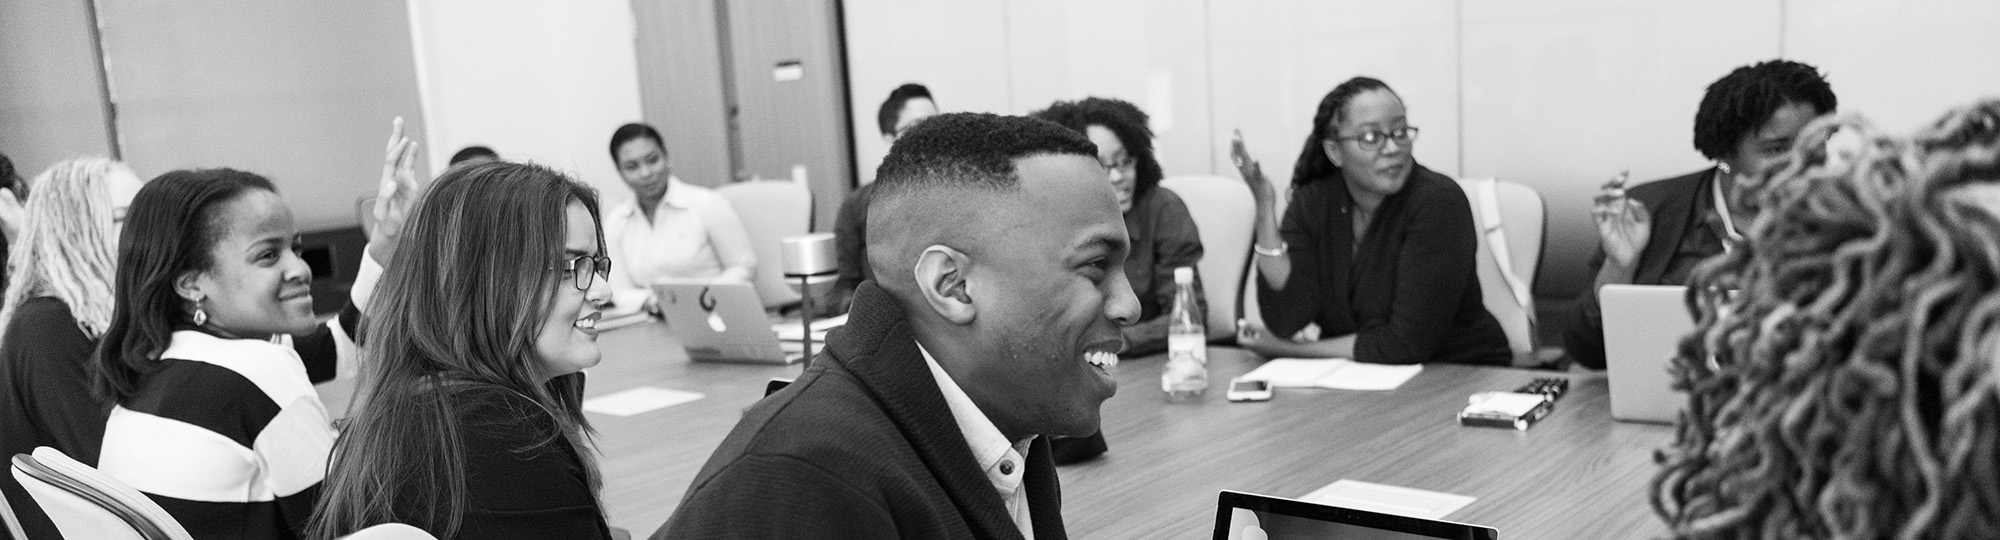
{"points": [[1551, 388]]}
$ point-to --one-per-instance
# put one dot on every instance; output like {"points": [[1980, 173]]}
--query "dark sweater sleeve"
{"points": [[1437, 258], [49, 359], [778, 496], [1299, 303], [522, 479]]}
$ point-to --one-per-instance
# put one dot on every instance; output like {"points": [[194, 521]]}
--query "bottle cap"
{"points": [[1184, 274]]}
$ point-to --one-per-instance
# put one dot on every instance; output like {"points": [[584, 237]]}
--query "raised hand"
{"points": [[1253, 174], [396, 194], [1623, 225]]}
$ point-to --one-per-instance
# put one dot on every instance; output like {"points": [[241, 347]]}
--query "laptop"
{"points": [[1643, 327], [1246, 516], [720, 322]]}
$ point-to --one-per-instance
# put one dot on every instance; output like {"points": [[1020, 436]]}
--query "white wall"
{"points": [[1557, 94], [538, 80]]}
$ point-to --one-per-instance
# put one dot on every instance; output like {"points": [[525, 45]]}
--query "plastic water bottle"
{"points": [[1186, 376]]}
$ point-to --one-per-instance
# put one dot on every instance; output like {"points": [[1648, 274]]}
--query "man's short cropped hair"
{"points": [[971, 150]]}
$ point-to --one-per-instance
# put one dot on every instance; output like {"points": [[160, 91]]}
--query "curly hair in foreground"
{"points": [[1841, 379]]}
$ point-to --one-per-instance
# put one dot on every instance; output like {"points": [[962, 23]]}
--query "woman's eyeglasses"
{"points": [[1372, 140], [585, 269]]}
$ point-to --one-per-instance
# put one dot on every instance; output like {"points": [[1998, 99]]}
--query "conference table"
{"points": [[1575, 474]]}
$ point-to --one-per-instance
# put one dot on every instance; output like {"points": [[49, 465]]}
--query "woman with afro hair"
{"points": [[1656, 233]]}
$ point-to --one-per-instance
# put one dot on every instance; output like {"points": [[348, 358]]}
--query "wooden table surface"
{"points": [[1576, 474]]}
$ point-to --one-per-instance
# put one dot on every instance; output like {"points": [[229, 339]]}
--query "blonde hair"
{"points": [[64, 249]]}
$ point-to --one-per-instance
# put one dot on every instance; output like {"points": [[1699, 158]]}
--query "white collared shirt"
{"points": [[1004, 461], [695, 234]]}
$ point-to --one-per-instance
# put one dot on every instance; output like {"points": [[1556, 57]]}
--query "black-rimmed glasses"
{"points": [[585, 269], [1372, 140]]}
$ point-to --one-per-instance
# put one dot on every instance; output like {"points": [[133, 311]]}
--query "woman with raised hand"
{"points": [[57, 305], [1657, 232], [470, 423], [214, 419], [1375, 249]]}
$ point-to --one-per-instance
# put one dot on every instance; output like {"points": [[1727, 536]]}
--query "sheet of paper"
{"points": [[1388, 499], [1295, 372], [1359, 376], [638, 400], [790, 330]]}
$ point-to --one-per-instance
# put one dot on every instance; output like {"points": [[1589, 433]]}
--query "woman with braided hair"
{"points": [[1844, 385]]}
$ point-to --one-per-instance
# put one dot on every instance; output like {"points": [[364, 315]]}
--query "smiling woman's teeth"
{"points": [[1101, 359]]}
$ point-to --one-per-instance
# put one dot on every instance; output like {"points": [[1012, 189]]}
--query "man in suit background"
{"points": [[993, 320]]}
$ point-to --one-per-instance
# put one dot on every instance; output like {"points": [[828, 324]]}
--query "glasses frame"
{"points": [[1403, 136], [600, 267]]}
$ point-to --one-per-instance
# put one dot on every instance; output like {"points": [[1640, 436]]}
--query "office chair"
{"points": [[1225, 212], [85, 503]]}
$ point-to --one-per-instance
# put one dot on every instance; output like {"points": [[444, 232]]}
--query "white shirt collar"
{"points": [[678, 196], [1003, 461]]}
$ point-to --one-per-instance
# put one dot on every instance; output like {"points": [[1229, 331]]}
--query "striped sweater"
{"points": [[226, 434]]}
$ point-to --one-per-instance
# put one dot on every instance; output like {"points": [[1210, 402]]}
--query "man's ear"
{"points": [[941, 280], [188, 286]]}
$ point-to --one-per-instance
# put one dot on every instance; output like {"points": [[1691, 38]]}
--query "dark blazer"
{"points": [[862, 445], [1409, 293], [1671, 205]]}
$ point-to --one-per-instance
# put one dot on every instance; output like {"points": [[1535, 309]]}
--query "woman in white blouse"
{"points": [[672, 230]]}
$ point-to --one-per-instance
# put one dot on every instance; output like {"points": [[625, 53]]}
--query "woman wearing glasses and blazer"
{"points": [[470, 422], [1375, 249]]}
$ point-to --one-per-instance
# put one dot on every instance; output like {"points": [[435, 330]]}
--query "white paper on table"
{"points": [[1335, 373], [790, 330], [1388, 499], [638, 400], [1294, 372], [1359, 376]]}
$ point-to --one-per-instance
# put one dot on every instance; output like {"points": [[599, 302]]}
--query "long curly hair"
{"points": [[66, 246], [1841, 379]]}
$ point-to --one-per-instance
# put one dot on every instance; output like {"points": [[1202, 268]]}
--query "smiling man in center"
{"points": [[997, 250]]}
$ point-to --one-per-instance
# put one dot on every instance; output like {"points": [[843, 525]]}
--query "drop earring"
{"points": [[1723, 166], [200, 315]]}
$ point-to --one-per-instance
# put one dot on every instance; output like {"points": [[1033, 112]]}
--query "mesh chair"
{"points": [[772, 210], [84, 503], [1225, 213], [1509, 220]]}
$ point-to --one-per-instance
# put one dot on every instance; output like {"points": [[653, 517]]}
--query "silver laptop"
{"points": [[1643, 327], [1245, 516], [720, 322]]}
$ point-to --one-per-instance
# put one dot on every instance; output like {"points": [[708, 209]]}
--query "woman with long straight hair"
{"points": [[470, 423], [56, 307]]}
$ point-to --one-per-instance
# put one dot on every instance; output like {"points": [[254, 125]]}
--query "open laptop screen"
{"points": [[1245, 516]]}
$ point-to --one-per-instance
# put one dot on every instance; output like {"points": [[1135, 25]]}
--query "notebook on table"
{"points": [[1245, 516], [1643, 327]]}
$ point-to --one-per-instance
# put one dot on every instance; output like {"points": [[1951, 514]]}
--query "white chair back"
{"points": [[772, 210], [1509, 220], [84, 503], [13, 521], [390, 531], [1225, 213]]}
